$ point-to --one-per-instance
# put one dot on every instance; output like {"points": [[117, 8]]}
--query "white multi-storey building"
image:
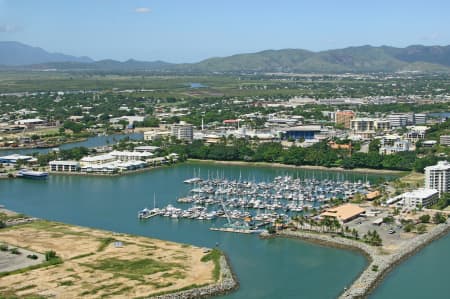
{"points": [[398, 120], [420, 118], [444, 140], [183, 131], [418, 198], [438, 177]]}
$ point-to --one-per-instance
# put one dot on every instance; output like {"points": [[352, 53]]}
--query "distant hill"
{"points": [[17, 54], [104, 66], [361, 59], [352, 59]]}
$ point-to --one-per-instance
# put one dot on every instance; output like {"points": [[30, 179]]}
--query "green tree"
{"points": [[425, 218]]}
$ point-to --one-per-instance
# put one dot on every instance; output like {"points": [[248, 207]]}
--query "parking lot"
{"points": [[390, 240]]}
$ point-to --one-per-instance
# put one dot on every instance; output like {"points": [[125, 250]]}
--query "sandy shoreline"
{"points": [[307, 167]]}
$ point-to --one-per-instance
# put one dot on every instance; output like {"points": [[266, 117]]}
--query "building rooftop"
{"points": [[305, 128], [344, 212], [441, 165], [420, 193]]}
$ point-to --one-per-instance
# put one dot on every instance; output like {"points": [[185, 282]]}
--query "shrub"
{"points": [[14, 251], [3, 247], [425, 218], [50, 255], [32, 256]]}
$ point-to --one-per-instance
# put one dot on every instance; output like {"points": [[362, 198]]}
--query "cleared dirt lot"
{"points": [[95, 265]]}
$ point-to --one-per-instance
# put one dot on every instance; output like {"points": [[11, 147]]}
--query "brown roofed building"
{"points": [[344, 213], [344, 118], [373, 195]]}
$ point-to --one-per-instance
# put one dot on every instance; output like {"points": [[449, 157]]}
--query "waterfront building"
{"points": [[131, 156], [438, 177], [97, 160], [444, 140], [344, 118], [183, 131], [421, 197], [344, 213], [64, 166]]}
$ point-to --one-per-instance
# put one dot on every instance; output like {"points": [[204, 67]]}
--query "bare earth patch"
{"points": [[94, 266]]}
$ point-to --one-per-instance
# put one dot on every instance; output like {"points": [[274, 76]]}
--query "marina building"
{"points": [[131, 156], [97, 160], [183, 131], [344, 213], [344, 118], [438, 177], [64, 166], [422, 197]]}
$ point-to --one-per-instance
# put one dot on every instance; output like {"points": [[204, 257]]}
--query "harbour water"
{"points": [[282, 268], [424, 275]]}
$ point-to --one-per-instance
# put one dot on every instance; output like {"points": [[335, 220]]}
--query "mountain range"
{"points": [[363, 59]]}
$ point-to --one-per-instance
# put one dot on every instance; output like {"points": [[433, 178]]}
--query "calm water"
{"points": [[90, 142], [424, 275], [266, 268]]}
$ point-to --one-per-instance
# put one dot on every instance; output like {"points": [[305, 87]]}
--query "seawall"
{"points": [[369, 279], [226, 284]]}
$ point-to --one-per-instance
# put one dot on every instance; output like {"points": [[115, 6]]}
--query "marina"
{"points": [[249, 206], [112, 202]]}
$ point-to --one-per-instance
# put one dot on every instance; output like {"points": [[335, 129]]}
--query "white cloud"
{"points": [[8, 28], [142, 10]]}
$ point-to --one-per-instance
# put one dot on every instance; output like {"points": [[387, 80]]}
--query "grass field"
{"points": [[94, 267]]}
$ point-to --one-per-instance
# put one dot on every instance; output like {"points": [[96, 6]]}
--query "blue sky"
{"points": [[188, 31]]}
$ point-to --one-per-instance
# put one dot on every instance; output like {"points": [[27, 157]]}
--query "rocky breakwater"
{"points": [[226, 283], [380, 262]]}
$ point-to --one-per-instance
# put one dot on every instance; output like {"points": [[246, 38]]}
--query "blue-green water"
{"points": [[282, 268], [424, 275]]}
